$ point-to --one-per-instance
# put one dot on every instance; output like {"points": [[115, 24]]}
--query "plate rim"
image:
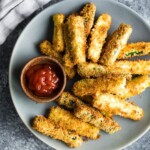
{"points": [[20, 36]]}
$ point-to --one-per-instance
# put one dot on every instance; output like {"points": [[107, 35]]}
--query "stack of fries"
{"points": [[107, 77]]}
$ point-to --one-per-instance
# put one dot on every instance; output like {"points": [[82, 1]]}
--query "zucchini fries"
{"points": [[47, 49], [103, 78], [122, 67], [135, 49], [115, 43], [92, 86], [88, 114], [77, 38], [136, 86], [88, 13], [113, 104], [97, 37], [68, 121], [67, 59], [50, 128], [58, 41]]}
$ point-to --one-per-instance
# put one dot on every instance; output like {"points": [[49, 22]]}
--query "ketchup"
{"points": [[42, 79]]}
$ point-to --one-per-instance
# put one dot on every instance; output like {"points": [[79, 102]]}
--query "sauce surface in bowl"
{"points": [[42, 79]]}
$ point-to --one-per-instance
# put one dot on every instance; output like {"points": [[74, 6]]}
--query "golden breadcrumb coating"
{"points": [[88, 99], [58, 41], [91, 86], [88, 13], [67, 58], [136, 86], [115, 105], [68, 100], [87, 113], [77, 38], [47, 49], [68, 121], [115, 43], [123, 67], [132, 67], [68, 62], [70, 72], [49, 128], [135, 49], [98, 36]]}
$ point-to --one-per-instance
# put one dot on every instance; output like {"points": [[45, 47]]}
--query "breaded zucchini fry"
{"points": [[68, 121], [98, 36], [88, 13], [94, 117], [49, 128], [115, 105], [46, 48], [58, 41], [124, 67], [77, 38], [135, 49], [88, 99], [116, 42], [70, 101], [67, 58], [91, 86], [132, 67], [88, 114], [87, 70], [68, 62], [136, 86], [70, 72]]}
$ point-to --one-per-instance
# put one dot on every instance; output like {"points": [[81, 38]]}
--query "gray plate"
{"points": [[40, 28]]}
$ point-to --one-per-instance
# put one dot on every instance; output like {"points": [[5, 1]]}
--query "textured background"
{"points": [[13, 133]]}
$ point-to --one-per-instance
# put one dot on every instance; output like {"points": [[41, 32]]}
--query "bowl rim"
{"points": [[25, 89]]}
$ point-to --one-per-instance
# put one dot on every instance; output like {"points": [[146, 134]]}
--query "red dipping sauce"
{"points": [[42, 79]]}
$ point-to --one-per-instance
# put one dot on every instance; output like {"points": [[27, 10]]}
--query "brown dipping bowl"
{"points": [[59, 70]]}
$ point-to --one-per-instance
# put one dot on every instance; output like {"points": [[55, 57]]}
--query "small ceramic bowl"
{"points": [[59, 70]]}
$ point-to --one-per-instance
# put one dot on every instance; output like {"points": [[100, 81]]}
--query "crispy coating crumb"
{"points": [[77, 38], [88, 99], [115, 43], [71, 72], [136, 86], [117, 106], [68, 121], [88, 13], [47, 49], [87, 113], [132, 67], [68, 100], [91, 86], [67, 58], [94, 117], [49, 128], [124, 67], [58, 41], [97, 36], [68, 62], [135, 49]]}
